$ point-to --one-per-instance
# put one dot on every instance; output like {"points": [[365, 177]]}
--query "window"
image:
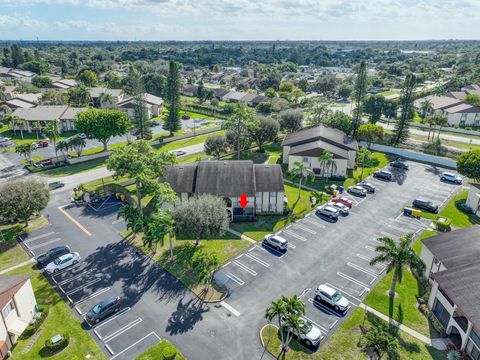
{"points": [[8, 308], [259, 201], [441, 313], [305, 159], [472, 350], [463, 119], [476, 121], [273, 202]]}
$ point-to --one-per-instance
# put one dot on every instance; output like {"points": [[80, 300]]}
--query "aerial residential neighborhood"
{"points": [[254, 180]]}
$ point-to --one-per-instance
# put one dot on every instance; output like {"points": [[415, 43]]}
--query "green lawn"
{"points": [[459, 218], [156, 352], [11, 253], [75, 169], [223, 248], [29, 137], [60, 320]]}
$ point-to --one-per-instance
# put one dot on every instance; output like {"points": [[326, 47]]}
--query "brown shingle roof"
{"points": [[316, 148], [327, 134], [9, 285]]}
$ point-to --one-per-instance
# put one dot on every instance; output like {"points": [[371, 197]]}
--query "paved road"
{"points": [[158, 306]]}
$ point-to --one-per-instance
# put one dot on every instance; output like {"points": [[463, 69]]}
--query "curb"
{"points": [[260, 333]]}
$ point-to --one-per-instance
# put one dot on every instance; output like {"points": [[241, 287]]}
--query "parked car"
{"points": [[155, 123], [276, 242], [52, 254], [357, 190], [55, 185], [344, 209], [309, 333], [42, 143], [4, 139], [450, 177], [328, 211], [367, 186], [332, 297], [82, 136], [63, 262], [425, 205], [399, 165], [383, 174], [343, 200], [102, 310], [179, 152]]}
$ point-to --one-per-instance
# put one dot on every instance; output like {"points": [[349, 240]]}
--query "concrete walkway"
{"points": [[31, 261], [440, 343], [303, 186], [244, 237]]}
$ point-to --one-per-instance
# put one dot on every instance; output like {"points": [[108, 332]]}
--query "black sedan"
{"points": [[399, 165], [425, 205], [383, 174], [52, 254]]}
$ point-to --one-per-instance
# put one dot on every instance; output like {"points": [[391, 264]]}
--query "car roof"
{"points": [[327, 289], [279, 238], [330, 208], [448, 173], [62, 247], [107, 301], [69, 255]]}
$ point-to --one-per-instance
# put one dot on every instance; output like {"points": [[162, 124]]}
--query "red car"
{"points": [[42, 143], [342, 200]]}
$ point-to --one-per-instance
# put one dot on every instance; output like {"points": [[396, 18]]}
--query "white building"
{"points": [[261, 183], [454, 108], [154, 105], [452, 262], [18, 308], [305, 146], [473, 198]]}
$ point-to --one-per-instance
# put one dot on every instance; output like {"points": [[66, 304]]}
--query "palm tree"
{"points": [[36, 126], [379, 340], [441, 120], [397, 256], [431, 121], [327, 163], [63, 146], [294, 305], [18, 123], [52, 131], [426, 107], [277, 309], [292, 324], [4, 110], [77, 144], [157, 226], [106, 99], [363, 157], [26, 151], [300, 171]]}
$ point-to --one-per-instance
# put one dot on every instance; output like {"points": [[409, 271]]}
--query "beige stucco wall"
{"points": [[454, 119], [25, 301], [473, 199], [286, 150], [313, 162]]}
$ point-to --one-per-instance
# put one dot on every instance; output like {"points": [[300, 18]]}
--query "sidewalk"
{"points": [[440, 343], [303, 186], [31, 261], [244, 237]]}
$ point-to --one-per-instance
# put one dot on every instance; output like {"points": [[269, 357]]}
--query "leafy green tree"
{"points": [[201, 217], [379, 340], [41, 81], [426, 107], [26, 151], [321, 111], [373, 105], [364, 157], [54, 98], [106, 99], [172, 122], [133, 218], [155, 84], [140, 162], [360, 92], [21, 199], [397, 256], [370, 133], [77, 144], [341, 121], [63, 146], [36, 66], [263, 130], [291, 120], [205, 265], [303, 84], [87, 77], [113, 80], [301, 172], [406, 105], [237, 125], [468, 164], [270, 92], [53, 134], [390, 109], [159, 225], [216, 145], [345, 90], [473, 99], [102, 124], [79, 96]]}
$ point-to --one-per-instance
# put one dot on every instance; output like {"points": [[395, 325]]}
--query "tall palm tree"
{"points": [[77, 144], [4, 110], [36, 126], [292, 324], [18, 123], [132, 217], [441, 120], [327, 163], [278, 310], [106, 99], [379, 340], [300, 171], [426, 107], [52, 131], [26, 151], [63, 146], [431, 121], [397, 256], [158, 226], [294, 305]]}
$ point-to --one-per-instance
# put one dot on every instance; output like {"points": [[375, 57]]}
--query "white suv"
{"points": [[328, 211], [446, 176], [332, 297], [309, 333], [344, 210], [276, 242]]}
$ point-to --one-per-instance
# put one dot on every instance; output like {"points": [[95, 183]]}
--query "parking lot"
{"points": [[155, 305]]}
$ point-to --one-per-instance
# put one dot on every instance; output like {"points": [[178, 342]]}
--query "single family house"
{"points": [[153, 104]]}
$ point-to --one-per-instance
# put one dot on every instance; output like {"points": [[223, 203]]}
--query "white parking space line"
{"points": [[234, 278], [135, 343], [29, 240], [120, 313], [82, 287], [244, 267], [395, 227], [352, 280], [295, 235], [78, 303], [122, 330], [370, 248], [314, 323], [280, 254], [323, 307], [346, 293], [359, 268], [230, 308], [75, 277], [261, 262], [314, 223], [366, 258], [45, 243], [304, 228], [117, 221], [73, 267]]}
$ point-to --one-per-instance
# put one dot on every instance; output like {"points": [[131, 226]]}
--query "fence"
{"points": [[449, 129]]}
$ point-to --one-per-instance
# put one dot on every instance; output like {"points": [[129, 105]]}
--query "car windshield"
{"points": [[337, 296], [305, 326], [57, 261], [97, 309]]}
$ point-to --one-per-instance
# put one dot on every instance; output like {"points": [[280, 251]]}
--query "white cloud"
{"points": [[21, 20]]}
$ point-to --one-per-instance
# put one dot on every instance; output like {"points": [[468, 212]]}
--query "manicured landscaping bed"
{"points": [[10, 252], [160, 351], [60, 320]]}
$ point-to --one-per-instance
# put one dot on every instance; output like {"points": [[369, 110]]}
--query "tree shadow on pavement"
{"points": [[186, 316]]}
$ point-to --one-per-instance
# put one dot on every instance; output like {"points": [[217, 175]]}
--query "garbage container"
{"points": [[335, 192], [416, 213], [340, 188], [407, 212]]}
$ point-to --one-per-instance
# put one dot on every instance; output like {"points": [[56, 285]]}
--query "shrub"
{"points": [[32, 329], [463, 207], [423, 308], [443, 223], [52, 348], [169, 352]]}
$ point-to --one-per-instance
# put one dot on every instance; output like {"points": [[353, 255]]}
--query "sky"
{"points": [[239, 19]]}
